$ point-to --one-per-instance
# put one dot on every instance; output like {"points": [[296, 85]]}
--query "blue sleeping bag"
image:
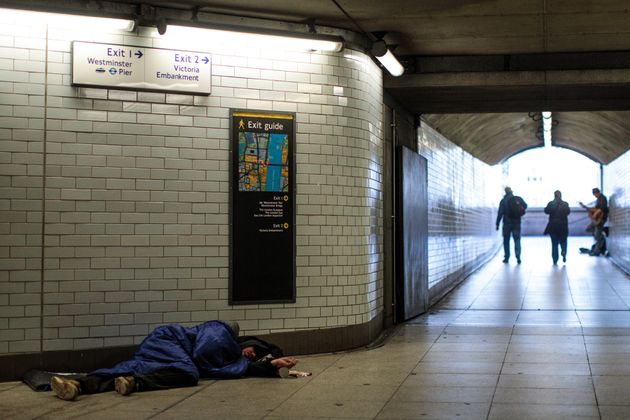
{"points": [[206, 350]]}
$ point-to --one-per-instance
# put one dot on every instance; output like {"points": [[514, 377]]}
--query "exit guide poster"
{"points": [[262, 216]]}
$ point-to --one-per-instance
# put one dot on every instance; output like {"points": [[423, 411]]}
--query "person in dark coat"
{"points": [[511, 209], [176, 356], [558, 226]]}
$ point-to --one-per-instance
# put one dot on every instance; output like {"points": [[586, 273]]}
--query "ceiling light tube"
{"points": [[67, 21], [391, 63], [386, 58], [247, 39], [547, 124]]}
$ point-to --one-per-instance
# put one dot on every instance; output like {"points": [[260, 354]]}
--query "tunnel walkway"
{"points": [[524, 342], [586, 291]]}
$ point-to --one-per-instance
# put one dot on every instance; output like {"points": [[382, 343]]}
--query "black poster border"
{"points": [[234, 189]]}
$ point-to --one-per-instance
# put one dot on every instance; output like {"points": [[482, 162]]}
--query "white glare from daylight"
{"points": [[535, 174]]}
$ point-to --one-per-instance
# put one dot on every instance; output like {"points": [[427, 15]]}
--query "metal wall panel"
{"points": [[412, 234]]}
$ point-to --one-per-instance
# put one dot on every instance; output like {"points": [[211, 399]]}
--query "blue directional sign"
{"points": [[141, 68]]}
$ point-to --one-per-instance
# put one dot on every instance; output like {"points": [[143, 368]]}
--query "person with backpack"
{"points": [[558, 226], [511, 209]]}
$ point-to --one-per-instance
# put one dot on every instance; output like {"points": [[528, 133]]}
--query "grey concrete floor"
{"points": [[529, 341]]}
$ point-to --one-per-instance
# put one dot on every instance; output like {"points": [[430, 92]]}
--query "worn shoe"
{"points": [[505, 261], [518, 261], [66, 389], [125, 385], [564, 258]]}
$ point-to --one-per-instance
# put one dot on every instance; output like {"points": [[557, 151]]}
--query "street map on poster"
{"points": [[142, 68], [263, 160]]}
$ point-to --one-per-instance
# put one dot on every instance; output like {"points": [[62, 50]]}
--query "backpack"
{"points": [[516, 207]]}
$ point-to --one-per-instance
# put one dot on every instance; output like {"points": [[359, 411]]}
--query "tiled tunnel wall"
{"points": [[136, 193], [463, 195], [617, 189]]}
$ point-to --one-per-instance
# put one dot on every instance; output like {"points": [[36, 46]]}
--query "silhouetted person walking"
{"points": [[511, 209], [558, 226]]}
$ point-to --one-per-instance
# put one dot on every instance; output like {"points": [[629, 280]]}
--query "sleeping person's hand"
{"points": [[287, 362]]}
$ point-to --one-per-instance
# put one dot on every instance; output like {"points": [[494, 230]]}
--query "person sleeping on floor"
{"points": [[173, 356]]}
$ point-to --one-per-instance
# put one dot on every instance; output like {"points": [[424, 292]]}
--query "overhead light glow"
{"points": [[391, 63], [66, 21], [252, 40], [547, 128]]}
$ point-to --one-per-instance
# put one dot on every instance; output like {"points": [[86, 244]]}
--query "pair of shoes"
{"points": [[505, 260], [125, 385], [66, 389], [518, 261]]}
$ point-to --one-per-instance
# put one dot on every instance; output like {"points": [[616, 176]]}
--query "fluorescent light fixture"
{"points": [[546, 117], [391, 63], [254, 40], [387, 59], [66, 21]]}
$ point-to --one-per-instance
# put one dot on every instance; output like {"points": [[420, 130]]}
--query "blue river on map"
{"points": [[274, 150]]}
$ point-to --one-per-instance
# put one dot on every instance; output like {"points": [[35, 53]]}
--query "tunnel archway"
{"points": [[600, 135], [537, 173]]}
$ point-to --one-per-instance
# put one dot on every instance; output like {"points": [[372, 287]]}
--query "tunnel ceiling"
{"points": [[489, 137], [600, 135], [474, 57]]}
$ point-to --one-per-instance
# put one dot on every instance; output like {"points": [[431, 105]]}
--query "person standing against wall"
{"points": [[598, 216], [511, 209], [558, 226]]}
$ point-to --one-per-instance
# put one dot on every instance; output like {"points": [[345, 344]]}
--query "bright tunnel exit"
{"points": [[536, 173]]}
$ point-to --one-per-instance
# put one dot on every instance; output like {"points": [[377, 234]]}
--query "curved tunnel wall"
{"points": [[616, 188], [134, 189], [464, 193]]}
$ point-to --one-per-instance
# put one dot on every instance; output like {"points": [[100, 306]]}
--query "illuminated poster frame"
{"points": [[262, 207]]}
